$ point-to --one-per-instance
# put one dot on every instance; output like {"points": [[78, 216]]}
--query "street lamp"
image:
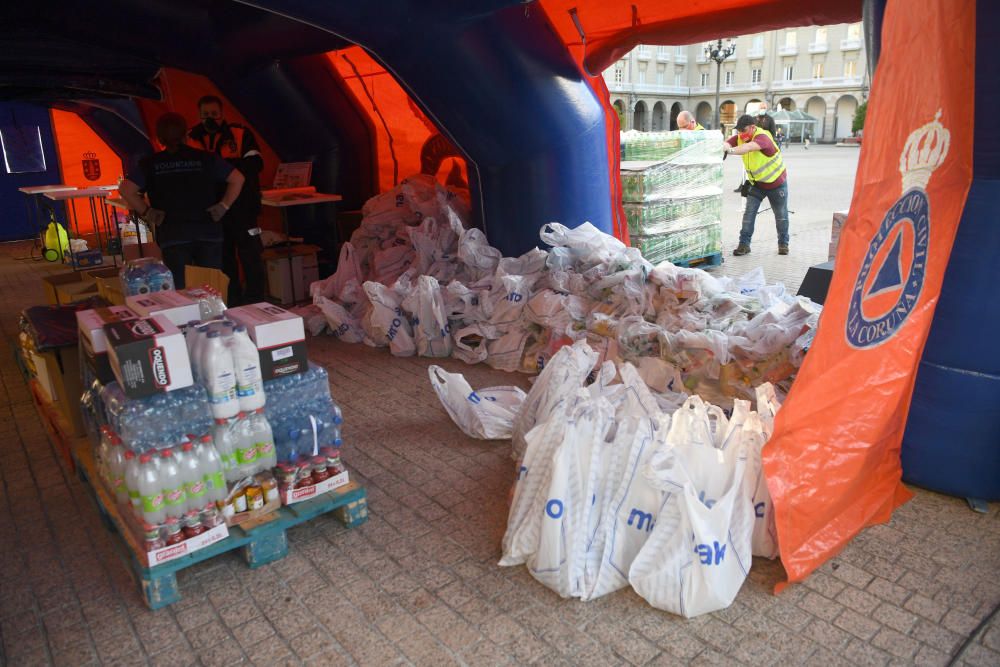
{"points": [[718, 53]]}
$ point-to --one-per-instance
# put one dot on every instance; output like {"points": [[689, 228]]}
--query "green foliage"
{"points": [[859, 118]]}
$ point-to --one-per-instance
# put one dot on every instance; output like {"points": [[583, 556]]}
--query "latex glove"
{"points": [[217, 211], [154, 216]]}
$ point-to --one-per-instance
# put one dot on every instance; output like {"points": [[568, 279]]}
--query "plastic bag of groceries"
{"points": [[430, 325], [487, 414], [699, 552], [386, 323]]}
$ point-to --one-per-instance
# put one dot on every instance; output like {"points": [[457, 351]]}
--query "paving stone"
{"points": [[820, 606], [858, 625], [926, 607]]}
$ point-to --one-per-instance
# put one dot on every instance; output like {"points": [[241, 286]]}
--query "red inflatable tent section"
{"points": [[181, 91], [400, 129], [85, 161]]}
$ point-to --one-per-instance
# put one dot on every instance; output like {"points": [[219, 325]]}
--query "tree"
{"points": [[859, 118]]}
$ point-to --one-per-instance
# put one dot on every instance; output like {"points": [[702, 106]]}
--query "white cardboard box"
{"points": [[148, 355], [190, 545], [91, 324], [176, 307], [292, 496], [279, 335]]}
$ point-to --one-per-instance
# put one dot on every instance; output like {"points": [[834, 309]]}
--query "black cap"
{"points": [[745, 121]]}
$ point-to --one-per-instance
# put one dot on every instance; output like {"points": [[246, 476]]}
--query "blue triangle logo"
{"points": [[890, 275]]}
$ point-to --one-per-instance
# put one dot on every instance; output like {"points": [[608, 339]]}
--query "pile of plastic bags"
{"points": [[613, 490], [415, 280]]}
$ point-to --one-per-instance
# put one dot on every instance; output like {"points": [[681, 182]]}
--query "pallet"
{"points": [[699, 262], [264, 543]]}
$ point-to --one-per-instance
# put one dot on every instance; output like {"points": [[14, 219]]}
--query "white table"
{"points": [[285, 198]]}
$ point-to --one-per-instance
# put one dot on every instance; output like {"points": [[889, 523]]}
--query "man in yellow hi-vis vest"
{"points": [[766, 177], [686, 121]]}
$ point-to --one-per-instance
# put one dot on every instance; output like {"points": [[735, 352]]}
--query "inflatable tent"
{"points": [[514, 89]]}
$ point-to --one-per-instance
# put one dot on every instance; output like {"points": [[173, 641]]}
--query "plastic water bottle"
{"points": [[211, 468], [195, 490], [267, 458], [219, 377], [116, 470], [172, 483], [246, 446], [132, 482], [103, 454], [249, 381], [223, 439], [190, 337], [151, 492]]}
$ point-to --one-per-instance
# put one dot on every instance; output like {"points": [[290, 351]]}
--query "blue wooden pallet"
{"points": [[699, 262], [260, 545]]}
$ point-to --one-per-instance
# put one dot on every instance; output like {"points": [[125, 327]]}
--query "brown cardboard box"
{"points": [[68, 280], [290, 271], [196, 276], [61, 368]]}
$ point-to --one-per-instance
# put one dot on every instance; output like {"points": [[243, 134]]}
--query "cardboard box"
{"points": [[196, 276], [290, 271], [176, 307], [58, 373], [52, 283], [148, 355], [292, 496], [94, 343], [88, 258], [279, 335], [188, 546]]}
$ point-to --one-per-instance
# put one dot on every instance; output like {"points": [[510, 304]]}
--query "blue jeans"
{"points": [[779, 204]]}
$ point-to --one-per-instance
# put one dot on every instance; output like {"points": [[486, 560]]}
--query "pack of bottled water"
{"points": [[145, 275], [157, 421], [303, 416]]}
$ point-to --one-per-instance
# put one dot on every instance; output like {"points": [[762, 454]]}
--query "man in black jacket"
{"points": [[237, 145]]}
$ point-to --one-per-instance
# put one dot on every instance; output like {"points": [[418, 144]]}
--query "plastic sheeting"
{"points": [[833, 464]]}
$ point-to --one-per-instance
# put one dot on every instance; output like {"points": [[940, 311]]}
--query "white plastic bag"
{"points": [[504, 353], [348, 268], [342, 324], [470, 344], [564, 373], [479, 258], [698, 555], [430, 325], [386, 323], [487, 414], [765, 532]]}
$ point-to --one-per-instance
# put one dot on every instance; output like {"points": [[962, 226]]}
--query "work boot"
{"points": [[782, 250], [742, 250]]}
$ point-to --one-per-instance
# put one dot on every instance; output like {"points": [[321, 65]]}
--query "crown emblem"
{"points": [[925, 150]]}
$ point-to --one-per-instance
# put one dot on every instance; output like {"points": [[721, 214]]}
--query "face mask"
{"points": [[211, 125], [746, 136]]}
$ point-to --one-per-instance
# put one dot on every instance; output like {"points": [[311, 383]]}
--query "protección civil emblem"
{"points": [[91, 166], [892, 275]]}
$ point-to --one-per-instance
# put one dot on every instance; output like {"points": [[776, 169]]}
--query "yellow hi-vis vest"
{"points": [[759, 167], [698, 126]]}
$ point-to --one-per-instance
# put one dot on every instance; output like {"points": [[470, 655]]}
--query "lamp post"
{"points": [[718, 53]]}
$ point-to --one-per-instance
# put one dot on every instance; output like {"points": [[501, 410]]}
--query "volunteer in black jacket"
{"points": [[183, 186], [237, 145]]}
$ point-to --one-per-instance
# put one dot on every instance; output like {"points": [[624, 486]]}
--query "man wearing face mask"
{"points": [[766, 177], [237, 145], [182, 184]]}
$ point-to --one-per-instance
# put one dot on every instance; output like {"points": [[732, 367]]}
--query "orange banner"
{"points": [[833, 464]]}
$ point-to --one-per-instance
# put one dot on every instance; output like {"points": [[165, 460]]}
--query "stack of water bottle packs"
{"points": [[185, 461], [672, 196]]}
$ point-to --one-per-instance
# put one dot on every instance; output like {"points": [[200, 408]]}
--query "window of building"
{"points": [[679, 50], [730, 78], [704, 78], [791, 38], [854, 31], [817, 70], [619, 73], [642, 73], [661, 72], [755, 75], [678, 79], [850, 68], [663, 50], [821, 35], [788, 72]]}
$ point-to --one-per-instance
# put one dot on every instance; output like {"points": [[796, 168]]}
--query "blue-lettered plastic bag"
{"points": [[487, 414]]}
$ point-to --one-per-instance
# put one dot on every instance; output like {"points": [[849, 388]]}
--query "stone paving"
{"points": [[418, 584]]}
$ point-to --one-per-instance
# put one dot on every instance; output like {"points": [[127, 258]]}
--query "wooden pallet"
{"points": [[265, 543], [699, 262]]}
